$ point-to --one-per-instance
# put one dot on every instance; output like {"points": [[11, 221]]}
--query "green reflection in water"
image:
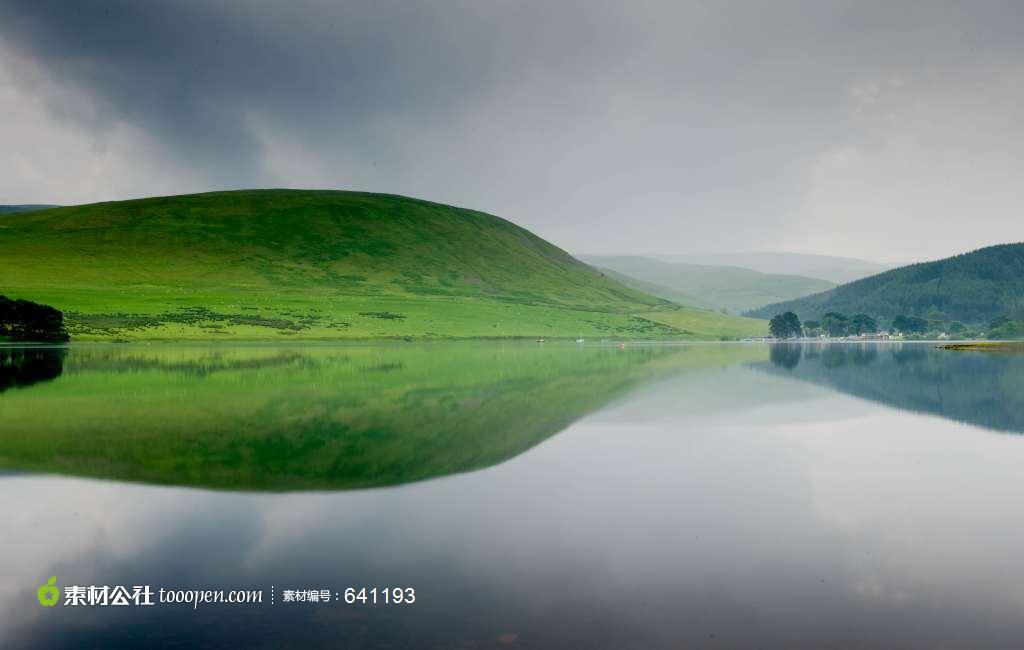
{"points": [[259, 418]]}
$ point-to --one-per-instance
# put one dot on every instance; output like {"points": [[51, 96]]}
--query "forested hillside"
{"points": [[976, 287]]}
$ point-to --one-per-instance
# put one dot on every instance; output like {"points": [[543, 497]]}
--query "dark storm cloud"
{"points": [[702, 126], [191, 71]]}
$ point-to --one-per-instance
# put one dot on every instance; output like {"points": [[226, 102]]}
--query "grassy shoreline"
{"points": [[985, 346]]}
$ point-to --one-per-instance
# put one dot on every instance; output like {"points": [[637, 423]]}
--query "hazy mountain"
{"points": [[658, 290], [720, 287], [834, 269], [14, 209]]}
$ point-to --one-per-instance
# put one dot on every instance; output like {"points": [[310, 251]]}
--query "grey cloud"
{"points": [[607, 127]]}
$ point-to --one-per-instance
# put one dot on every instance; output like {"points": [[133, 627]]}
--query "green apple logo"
{"points": [[49, 593]]}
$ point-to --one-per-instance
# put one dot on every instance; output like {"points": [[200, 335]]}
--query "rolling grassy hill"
{"points": [[280, 264], [719, 287], [974, 287]]}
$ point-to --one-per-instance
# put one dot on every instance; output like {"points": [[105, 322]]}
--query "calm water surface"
{"points": [[553, 496]]}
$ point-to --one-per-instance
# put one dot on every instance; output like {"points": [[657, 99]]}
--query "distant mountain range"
{"points": [[826, 267], [658, 290], [972, 288], [15, 209], [731, 288]]}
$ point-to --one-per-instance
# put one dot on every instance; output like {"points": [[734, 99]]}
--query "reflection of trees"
{"points": [[862, 355], [908, 353], [27, 366], [786, 355], [833, 356], [982, 389]]}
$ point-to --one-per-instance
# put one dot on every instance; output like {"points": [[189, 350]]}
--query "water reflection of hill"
{"points": [[24, 366], [976, 388], [312, 418]]}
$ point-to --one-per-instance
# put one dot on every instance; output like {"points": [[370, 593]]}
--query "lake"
{"points": [[531, 496]]}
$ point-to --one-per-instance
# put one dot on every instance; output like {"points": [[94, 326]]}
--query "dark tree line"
{"points": [[910, 324], [836, 324], [22, 320], [785, 326]]}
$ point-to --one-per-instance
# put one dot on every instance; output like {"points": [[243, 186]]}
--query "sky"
{"points": [[888, 131]]}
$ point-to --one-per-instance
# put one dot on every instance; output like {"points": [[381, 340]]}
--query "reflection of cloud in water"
{"points": [[77, 528], [927, 504], [760, 518]]}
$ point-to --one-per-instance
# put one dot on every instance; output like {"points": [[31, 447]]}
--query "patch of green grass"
{"points": [[986, 346], [290, 264]]}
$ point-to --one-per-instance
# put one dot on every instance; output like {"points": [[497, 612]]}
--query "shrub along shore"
{"points": [[26, 321]]}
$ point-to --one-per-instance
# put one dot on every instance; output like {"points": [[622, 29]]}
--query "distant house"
{"points": [[875, 336]]}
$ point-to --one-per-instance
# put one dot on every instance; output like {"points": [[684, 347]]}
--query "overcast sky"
{"points": [[891, 131]]}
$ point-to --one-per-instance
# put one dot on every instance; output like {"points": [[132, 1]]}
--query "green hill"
{"points": [[719, 287], [318, 264], [975, 287]]}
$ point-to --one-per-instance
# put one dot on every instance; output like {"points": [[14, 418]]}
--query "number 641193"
{"points": [[380, 595]]}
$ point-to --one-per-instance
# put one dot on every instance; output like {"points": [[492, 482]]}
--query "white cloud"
{"points": [[48, 158], [929, 168]]}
